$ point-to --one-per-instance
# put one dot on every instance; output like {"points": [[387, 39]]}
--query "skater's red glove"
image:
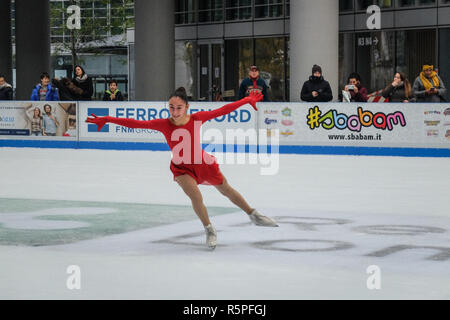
{"points": [[254, 98], [99, 121]]}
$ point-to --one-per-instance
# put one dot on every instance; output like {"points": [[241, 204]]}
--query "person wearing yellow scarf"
{"points": [[428, 86], [429, 77]]}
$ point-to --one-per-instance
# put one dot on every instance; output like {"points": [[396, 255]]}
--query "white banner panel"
{"points": [[244, 118], [31, 120], [369, 125]]}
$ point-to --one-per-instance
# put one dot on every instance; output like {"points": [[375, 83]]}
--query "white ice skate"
{"points": [[262, 221], [211, 237]]}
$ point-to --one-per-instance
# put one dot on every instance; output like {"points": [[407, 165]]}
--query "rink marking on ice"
{"points": [[37, 220], [299, 235], [47, 222]]}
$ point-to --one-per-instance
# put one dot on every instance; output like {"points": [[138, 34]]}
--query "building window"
{"points": [[186, 67], [185, 12], [414, 49], [270, 57], [376, 56], [375, 59], [238, 10], [100, 19], [364, 4], [268, 9], [238, 58], [346, 6], [416, 3], [346, 57], [269, 54], [210, 11], [444, 61]]}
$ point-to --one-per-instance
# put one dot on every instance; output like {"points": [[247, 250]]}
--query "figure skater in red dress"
{"points": [[191, 165]]}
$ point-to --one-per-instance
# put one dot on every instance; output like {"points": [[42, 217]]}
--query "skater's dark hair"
{"points": [[45, 75], [180, 93]]}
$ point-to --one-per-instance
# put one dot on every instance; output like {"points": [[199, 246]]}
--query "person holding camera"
{"points": [[316, 89], [428, 86], [354, 91]]}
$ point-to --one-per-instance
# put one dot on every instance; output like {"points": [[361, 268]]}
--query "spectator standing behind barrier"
{"points": [[113, 94], [67, 91], [6, 90], [428, 86], [44, 91], [316, 89], [50, 122], [84, 82], [400, 90], [354, 89], [253, 84]]}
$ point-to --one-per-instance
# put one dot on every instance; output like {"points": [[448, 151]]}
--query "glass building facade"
{"points": [[216, 42], [103, 39]]}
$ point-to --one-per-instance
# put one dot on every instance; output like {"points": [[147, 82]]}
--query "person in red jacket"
{"points": [[191, 165], [355, 89]]}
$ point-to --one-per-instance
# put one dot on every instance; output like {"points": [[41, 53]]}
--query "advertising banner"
{"points": [[32, 120], [244, 118], [374, 125], [368, 125]]}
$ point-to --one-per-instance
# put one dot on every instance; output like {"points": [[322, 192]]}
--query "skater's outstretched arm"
{"points": [[252, 99], [158, 124]]}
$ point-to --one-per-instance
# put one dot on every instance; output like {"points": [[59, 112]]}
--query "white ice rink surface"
{"points": [[338, 215]]}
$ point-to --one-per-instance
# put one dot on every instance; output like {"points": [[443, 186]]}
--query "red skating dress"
{"points": [[188, 156]]}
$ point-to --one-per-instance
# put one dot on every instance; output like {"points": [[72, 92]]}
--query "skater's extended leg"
{"points": [[234, 196]]}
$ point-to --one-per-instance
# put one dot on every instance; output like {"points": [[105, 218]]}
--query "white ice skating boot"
{"points": [[211, 237], [260, 220]]}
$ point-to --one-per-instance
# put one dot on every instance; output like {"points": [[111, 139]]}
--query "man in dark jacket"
{"points": [[316, 89], [84, 82], [113, 94], [6, 90], [253, 83]]}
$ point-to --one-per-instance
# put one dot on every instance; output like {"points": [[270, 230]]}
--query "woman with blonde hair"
{"points": [[399, 90]]}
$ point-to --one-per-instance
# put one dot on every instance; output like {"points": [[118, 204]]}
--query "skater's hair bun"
{"points": [[180, 93]]}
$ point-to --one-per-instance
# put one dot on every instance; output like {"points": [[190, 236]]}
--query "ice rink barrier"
{"points": [[370, 129]]}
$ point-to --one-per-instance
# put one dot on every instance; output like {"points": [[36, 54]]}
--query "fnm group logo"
{"points": [[99, 112]]}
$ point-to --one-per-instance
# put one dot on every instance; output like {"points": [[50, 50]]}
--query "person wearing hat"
{"points": [[253, 84], [428, 86], [316, 89]]}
